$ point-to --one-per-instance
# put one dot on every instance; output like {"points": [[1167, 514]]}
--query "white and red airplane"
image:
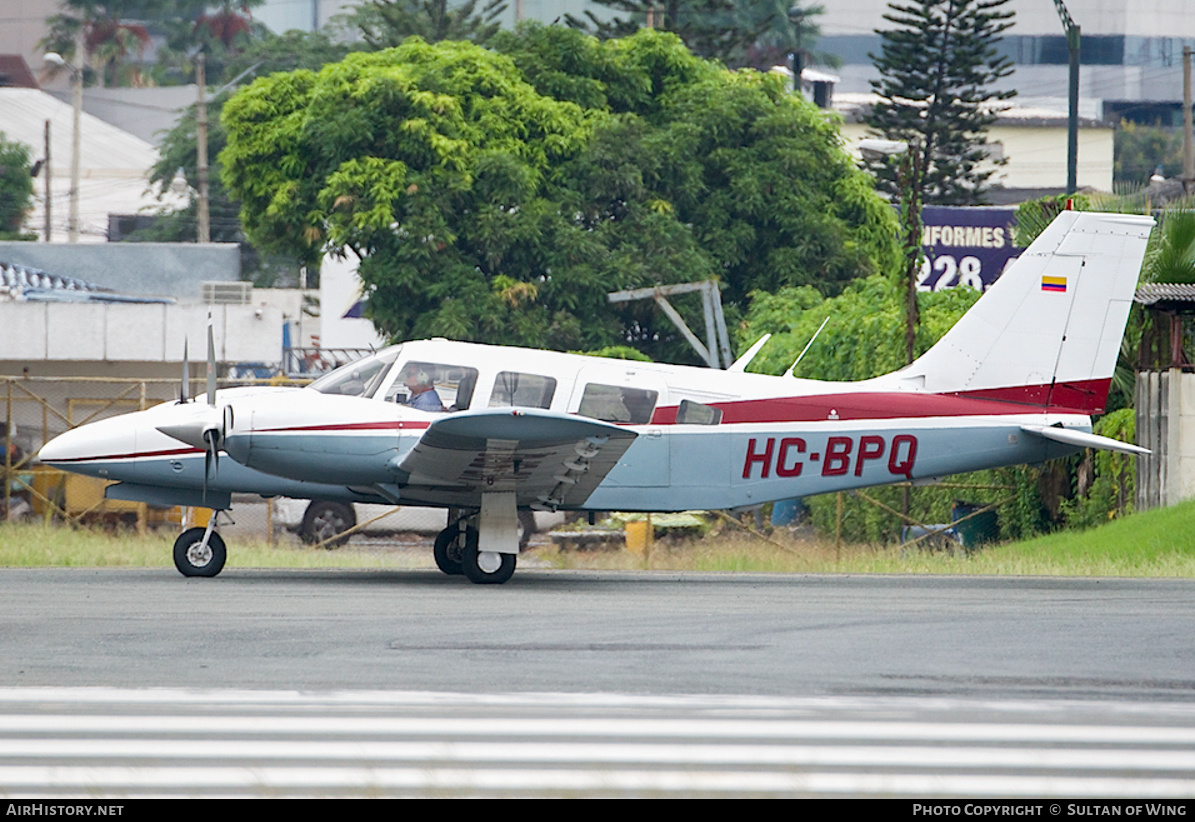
{"points": [[485, 431]]}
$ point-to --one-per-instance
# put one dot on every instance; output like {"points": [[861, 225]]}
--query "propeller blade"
{"points": [[211, 363], [211, 454], [185, 388]]}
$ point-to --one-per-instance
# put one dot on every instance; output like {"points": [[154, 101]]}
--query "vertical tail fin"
{"points": [[1048, 332]]}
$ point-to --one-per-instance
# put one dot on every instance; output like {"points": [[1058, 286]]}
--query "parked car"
{"points": [[320, 520]]}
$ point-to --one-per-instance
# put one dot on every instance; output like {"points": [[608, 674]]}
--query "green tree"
{"points": [[714, 29], [778, 33], [500, 196], [16, 187], [111, 32], [1139, 150], [937, 67], [387, 23], [222, 32]]}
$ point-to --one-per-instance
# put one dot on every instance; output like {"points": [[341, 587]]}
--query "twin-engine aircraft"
{"points": [[485, 431]]}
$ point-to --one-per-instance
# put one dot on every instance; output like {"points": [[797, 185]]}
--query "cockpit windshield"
{"points": [[360, 378]]}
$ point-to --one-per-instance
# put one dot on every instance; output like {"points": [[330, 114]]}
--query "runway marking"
{"points": [[631, 727], [126, 743], [854, 756]]}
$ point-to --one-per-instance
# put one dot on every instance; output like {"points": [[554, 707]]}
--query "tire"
{"points": [[192, 560], [472, 560], [323, 520], [447, 551], [526, 528]]}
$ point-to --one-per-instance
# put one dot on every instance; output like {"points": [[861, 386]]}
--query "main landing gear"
{"points": [[200, 552], [457, 553], [458, 548]]}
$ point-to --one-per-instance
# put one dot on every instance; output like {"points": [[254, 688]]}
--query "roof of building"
{"points": [[14, 71], [1166, 295], [24, 284], [113, 164]]}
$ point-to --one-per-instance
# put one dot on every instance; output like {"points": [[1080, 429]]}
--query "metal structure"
{"points": [[717, 340], [1072, 126]]}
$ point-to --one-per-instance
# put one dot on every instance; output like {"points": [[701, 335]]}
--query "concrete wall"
{"points": [[1036, 154], [158, 269], [1166, 425], [32, 333]]}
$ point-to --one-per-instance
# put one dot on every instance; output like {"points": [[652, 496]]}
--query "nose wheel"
{"points": [[199, 552]]}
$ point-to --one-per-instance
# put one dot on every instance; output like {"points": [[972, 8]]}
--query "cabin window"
{"points": [[357, 379], [696, 413], [612, 403], [434, 387], [526, 390]]}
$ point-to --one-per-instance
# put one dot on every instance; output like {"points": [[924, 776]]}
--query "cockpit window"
{"points": [[357, 379], [434, 387]]}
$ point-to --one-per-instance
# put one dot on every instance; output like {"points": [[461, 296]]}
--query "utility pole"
{"points": [[1072, 124], [205, 232], [796, 16], [1188, 149], [46, 181]]}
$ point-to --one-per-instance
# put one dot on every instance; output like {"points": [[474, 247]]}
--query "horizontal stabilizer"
{"points": [[1083, 440]]}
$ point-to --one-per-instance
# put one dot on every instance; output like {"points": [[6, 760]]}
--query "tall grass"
{"points": [[39, 545], [1157, 543]]}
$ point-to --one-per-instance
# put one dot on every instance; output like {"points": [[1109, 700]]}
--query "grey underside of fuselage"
{"points": [[706, 473], [691, 467], [180, 481]]}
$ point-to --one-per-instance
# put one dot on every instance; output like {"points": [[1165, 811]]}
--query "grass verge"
{"points": [[1157, 543]]}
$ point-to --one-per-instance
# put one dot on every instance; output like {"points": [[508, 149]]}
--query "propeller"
{"points": [[211, 364], [208, 429], [185, 386]]}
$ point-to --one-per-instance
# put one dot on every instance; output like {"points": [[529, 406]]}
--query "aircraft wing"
{"points": [[548, 459]]}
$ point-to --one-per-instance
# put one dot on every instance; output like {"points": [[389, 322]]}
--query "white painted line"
{"points": [[622, 727], [109, 781], [907, 757]]}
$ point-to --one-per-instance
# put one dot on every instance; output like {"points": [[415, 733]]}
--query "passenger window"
{"points": [[696, 413], [611, 403], [527, 390], [434, 387]]}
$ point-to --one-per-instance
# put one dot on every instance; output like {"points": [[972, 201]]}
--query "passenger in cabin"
{"points": [[423, 391]]}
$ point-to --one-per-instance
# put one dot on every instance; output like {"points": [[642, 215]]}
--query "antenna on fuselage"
{"points": [[804, 350], [742, 362]]}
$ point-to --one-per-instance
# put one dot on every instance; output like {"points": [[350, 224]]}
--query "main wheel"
{"points": [[323, 520], [447, 550], [194, 559], [527, 527], [486, 567]]}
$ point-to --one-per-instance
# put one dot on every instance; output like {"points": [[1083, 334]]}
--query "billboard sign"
{"points": [[965, 245]]}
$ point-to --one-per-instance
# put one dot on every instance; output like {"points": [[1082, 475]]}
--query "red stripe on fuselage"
{"points": [[1069, 398], [175, 452], [390, 425]]}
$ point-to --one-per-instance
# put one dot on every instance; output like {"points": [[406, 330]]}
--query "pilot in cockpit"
{"points": [[423, 391]]}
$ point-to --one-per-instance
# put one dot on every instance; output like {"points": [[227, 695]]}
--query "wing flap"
{"points": [[547, 459]]}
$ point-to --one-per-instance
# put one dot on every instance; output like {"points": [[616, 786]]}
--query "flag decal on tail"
{"points": [[1053, 283]]}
